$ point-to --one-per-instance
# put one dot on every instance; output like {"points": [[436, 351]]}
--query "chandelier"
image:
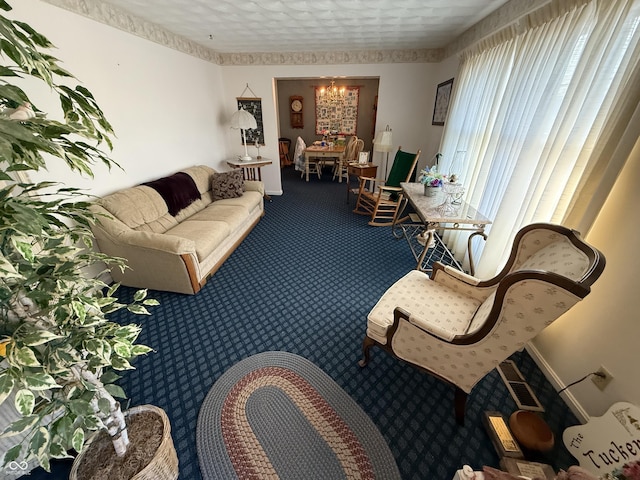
{"points": [[332, 94]]}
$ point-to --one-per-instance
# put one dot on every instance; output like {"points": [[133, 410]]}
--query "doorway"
{"points": [[300, 121]]}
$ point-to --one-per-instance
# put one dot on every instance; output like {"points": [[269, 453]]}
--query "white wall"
{"points": [[405, 103], [604, 329], [165, 106], [170, 110], [447, 69]]}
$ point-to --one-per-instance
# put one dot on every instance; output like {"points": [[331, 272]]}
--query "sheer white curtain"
{"points": [[529, 110]]}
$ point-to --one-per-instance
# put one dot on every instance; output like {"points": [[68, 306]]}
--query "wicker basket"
{"points": [[164, 464]]}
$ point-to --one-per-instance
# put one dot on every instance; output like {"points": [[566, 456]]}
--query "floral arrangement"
{"points": [[629, 471], [431, 177]]}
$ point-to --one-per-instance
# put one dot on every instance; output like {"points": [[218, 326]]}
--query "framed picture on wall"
{"points": [[254, 107], [443, 95]]}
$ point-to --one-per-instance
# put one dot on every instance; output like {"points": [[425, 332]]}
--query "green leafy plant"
{"points": [[61, 353]]}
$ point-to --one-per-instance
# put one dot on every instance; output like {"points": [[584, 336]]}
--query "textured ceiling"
{"points": [[228, 26]]}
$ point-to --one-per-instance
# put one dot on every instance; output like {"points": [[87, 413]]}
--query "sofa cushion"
{"points": [[232, 215], [206, 235], [249, 200], [201, 174], [139, 208], [227, 185], [178, 191]]}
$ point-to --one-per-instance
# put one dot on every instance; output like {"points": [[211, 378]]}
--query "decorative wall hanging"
{"points": [[254, 107], [337, 117], [443, 95]]}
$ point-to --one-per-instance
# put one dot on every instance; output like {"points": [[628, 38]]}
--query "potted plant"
{"points": [[60, 353], [431, 179]]}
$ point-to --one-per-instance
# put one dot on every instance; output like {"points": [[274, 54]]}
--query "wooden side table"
{"points": [[251, 169], [360, 170]]}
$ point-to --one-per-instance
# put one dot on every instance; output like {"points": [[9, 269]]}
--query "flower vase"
{"points": [[430, 191]]}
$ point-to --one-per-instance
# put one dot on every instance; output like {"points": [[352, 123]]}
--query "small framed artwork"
{"points": [[443, 95], [363, 158]]}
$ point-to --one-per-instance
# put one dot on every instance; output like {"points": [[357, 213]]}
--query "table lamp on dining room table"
{"points": [[241, 119], [384, 143]]}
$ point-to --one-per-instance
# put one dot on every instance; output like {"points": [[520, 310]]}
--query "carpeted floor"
{"points": [[303, 282]]}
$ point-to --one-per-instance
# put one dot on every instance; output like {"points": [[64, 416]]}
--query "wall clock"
{"points": [[295, 107]]}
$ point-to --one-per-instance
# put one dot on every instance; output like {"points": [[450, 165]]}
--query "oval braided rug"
{"points": [[277, 415]]}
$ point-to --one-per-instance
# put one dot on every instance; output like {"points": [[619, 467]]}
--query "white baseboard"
{"points": [[550, 374]]}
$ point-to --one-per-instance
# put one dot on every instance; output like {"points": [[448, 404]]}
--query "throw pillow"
{"points": [[227, 185]]}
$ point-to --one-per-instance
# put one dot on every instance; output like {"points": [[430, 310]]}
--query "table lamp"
{"points": [[384, 143], [241, 119]]}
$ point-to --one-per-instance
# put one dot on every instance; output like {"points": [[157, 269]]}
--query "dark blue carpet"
{"points": [[303, 282]]}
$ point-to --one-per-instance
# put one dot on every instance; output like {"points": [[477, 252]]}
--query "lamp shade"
{"points": [[383, 141], [243, 120]]}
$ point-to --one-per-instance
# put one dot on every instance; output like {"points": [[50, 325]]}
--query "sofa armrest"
{"points": [[254, 186], [156, 261], [156, 241]]}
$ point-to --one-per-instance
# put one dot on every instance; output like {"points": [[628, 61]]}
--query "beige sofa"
{"points": [[175, 253]]}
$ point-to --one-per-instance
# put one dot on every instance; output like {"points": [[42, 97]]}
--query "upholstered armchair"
{"points": [[458, 328]]}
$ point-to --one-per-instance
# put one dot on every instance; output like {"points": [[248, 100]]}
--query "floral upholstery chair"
{"points": [[458, 327]]}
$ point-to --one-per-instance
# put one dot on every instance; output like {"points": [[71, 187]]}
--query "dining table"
{"points": [[321, 151]]}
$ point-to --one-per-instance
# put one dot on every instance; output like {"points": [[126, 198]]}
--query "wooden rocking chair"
{"points": [[382, 202]]}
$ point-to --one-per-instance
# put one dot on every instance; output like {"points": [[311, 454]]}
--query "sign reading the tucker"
{"points": [[607, 444]]}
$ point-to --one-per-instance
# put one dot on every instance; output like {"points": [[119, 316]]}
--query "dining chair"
{"points": [[351, 154], [458, 328], [300, 159], [382, 200], [284, 148]]}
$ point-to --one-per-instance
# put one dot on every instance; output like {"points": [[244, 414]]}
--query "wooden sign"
{"points": [[607, 443]]}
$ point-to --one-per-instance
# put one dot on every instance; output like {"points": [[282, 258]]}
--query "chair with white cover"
{"points": [[300, 159], [458, 328]]}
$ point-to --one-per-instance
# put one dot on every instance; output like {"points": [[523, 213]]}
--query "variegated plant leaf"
{"points": [[6, 385], [32, 337], [92, 422], [25, 401], [39, 381], [12, 454], [57, 450], [20, 425], [39, 446], [119, 363], [123, 349], [77, 440], [115, 390], [24, 356]]}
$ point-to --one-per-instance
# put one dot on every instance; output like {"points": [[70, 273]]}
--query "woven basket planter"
{"points": [[164, 464]]}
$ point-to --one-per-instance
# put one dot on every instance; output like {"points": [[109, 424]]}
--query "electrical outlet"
{"points": [[603, 380]]}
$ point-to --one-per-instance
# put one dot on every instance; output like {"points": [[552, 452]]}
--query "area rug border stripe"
{"points": [[213, 457]]}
